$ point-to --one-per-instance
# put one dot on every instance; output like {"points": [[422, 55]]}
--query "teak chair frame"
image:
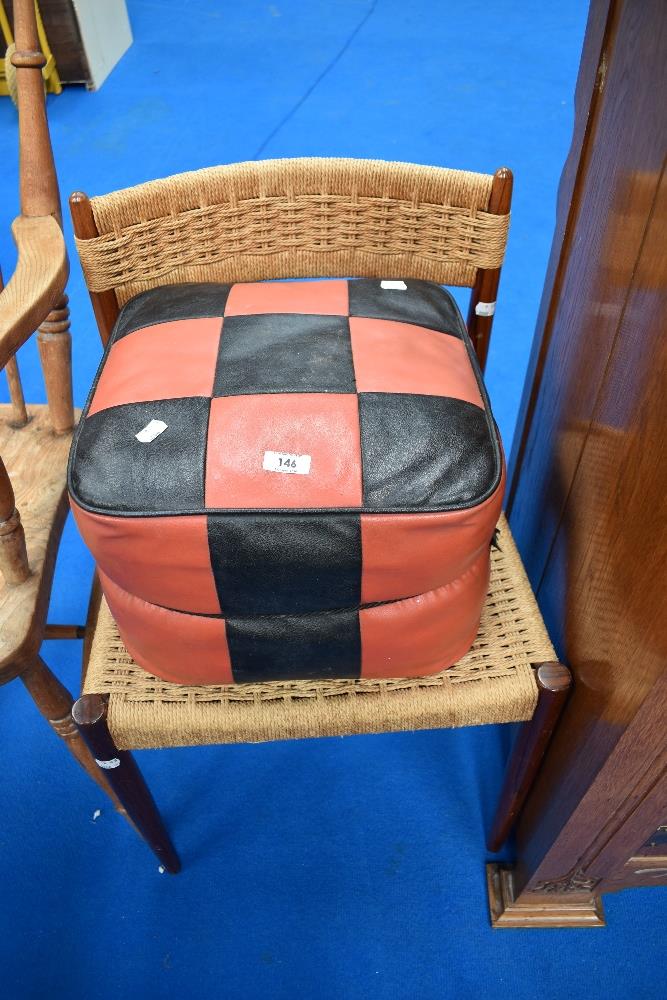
{"points": [[266, 211], [419, 210]]}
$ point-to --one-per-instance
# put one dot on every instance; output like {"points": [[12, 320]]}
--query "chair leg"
{"points": [[554, 682], [90, 715], [55, 703]]}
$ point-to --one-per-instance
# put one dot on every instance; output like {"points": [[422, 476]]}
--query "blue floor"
{"points": [[325, 869]]}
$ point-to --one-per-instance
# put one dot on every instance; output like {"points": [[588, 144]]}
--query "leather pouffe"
{"points": [[288, 480]]}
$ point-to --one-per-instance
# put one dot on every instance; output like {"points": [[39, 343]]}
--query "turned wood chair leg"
{"points": [[554, 681], [90, 715], [55, 703]]}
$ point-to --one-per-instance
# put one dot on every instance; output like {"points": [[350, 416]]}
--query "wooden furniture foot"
{"points": [[538, 909], [55, 703], [554, 682], [89, 714]]}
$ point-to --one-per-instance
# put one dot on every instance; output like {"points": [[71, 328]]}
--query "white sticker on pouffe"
{"points": [[281, 461], [398, 286], [152, 430]]}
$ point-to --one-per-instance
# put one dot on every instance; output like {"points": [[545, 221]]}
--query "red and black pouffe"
{"points": [[288, 480]]}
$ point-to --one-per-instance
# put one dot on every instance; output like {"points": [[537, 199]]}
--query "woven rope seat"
{"points": [[493, 683]]}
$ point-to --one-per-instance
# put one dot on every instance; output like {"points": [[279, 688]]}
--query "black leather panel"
{"points": [[424, 452], [422, 303], [293, 563], [194, 300], [295, 647], [276, 352], [111, 470]]}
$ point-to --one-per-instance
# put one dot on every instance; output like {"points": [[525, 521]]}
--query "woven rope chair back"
{"points": [[295, 218]]}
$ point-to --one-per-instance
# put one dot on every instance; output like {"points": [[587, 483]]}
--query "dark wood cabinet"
{"points": [[588, 478]]}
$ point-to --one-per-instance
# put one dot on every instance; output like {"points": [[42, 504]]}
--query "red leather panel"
{"points": [[326, 298], [164, 560], [166, 361], [185, 649], [401, 357], [322, 425], [407, 554], [424, 634]]}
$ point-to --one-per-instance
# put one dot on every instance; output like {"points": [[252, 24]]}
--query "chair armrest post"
{"points": [[13, 554], [19, 414], [55, 352]]}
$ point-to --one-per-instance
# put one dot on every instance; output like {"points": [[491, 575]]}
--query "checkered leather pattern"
{"points": [[376, 513]]}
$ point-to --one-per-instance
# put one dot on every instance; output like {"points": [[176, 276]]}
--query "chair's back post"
{"points": [[38, 183], [39, 197], [105, 304], [485, 289]]}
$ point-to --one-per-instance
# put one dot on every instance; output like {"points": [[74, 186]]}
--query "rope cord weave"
{"points": [[295, 218]]}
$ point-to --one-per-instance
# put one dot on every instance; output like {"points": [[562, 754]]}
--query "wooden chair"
{"points": [[307, 218], [35, 440]]}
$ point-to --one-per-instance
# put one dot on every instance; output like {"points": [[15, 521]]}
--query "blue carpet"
{"points": [[323, 869]]}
